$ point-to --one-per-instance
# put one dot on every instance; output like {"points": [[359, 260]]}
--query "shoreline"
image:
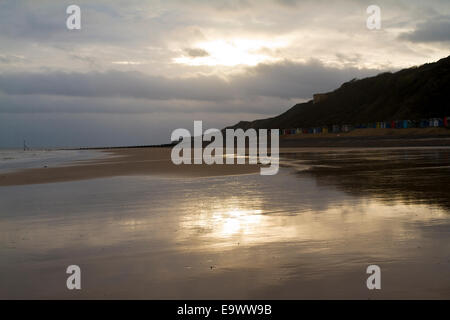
{"points": [[155, 160], [122, 162]]}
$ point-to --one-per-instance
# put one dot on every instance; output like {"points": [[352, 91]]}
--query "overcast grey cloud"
{"points": [[285, 79], [138, 69], [435, 30]]}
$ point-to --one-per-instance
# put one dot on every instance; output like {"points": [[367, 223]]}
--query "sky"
{"points": [[137, 70]]}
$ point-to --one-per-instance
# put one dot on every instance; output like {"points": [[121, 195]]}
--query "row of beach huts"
{"points": [[397, 124]]}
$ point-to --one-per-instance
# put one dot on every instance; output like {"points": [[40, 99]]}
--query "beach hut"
{"points": [[347, 128], [336, 128], [298, 131], [325, 130], [446, 121], [436, 122]]}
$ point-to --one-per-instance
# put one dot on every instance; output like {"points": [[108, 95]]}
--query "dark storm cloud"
{"points": [[115, 84], [196, 52], [288, 79], [285, 80], [433, 30]]}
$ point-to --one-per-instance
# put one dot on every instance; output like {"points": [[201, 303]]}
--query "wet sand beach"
{"points": [[157, 160], [122, 162], [308, 232]]}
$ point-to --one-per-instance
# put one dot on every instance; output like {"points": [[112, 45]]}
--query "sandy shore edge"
{"points": [[122, 162], [157, 161]]}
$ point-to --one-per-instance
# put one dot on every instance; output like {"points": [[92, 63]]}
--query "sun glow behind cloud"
{"points": [[234, 52]]}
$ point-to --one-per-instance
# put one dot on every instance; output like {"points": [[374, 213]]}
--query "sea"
{"points": [[17, 159]]}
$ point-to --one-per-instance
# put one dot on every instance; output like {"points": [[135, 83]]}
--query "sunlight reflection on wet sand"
{"points": [[250, 236]]}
